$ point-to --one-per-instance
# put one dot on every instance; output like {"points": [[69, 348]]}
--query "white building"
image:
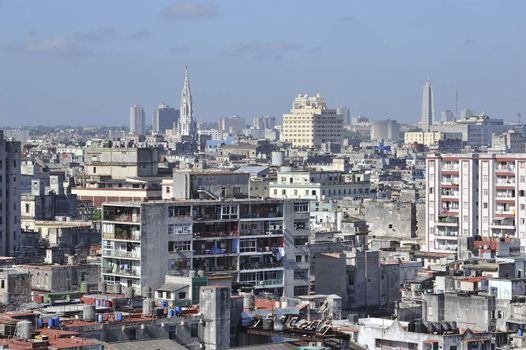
{"points": [[428, 107], [137, 120], [510, 141], [318, 185], [474, 194], [10, 181], [310, 123]]}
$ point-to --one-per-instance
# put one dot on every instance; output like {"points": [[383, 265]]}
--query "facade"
{"points": [[318, 185], [474, 194], [257, 242], [386, 130], [311, 123], [137, 120], [510, 141], [234, 124], [428, 107], [164, 118], [10, 183], [430, 138], [120, 163], [478, 130], [447, 116], [187, 126]]}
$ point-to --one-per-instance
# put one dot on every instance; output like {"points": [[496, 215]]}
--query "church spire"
{"points": [[186, 119]]}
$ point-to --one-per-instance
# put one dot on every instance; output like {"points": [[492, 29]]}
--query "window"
{"points": [[27, 207], [179, 229], [301, 274], [178, 211], [301, 207], [179, 246], [298, 258]]}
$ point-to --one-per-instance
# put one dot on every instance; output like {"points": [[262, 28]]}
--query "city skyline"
{"points": [[358, 53]]}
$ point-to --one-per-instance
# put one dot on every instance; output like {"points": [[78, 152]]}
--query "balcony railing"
{"points": [[133, 236], [121, 254]]}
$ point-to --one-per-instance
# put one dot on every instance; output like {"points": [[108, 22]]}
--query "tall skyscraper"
{"points": [[164, 117], [9, 196], [187, 125], [137, 120], [346, 112], [428, 107]]}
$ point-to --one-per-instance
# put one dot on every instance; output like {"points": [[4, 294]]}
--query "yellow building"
{"points": [[310, 123], [427, 138]]}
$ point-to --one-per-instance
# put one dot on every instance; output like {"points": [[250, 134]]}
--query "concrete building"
{"points": [[232, 125], [64, 278], [510, 141], [120, 163], [379, 333], [363, 281], [164, 118], [447, 116], [427, 118], [385, 130], [429, 138], [311, 123], [254, 241], [478, 130], [10, 182], [137, 120], [264, 122], [474, 194], [15, 288], [207, 184], [318, 185], [345, 111]]}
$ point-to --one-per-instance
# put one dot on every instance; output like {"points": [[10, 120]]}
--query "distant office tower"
{"points": [[428, 107], [466, 113], [385, 130], [187, 125], [346, 112], [9, 196], [137, 120], [264, 122], [234, 124], [310, 123], [448, 116], [164, 117]]}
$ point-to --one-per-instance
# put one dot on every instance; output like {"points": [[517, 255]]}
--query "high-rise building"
{"points": [[386, 130], [479, 194], [10, 180], [137, 120], [259, 242], [447, 116], [164, 118], [234, 124], [346, 112], [428, 107], [187, 125], [310, 123], [263, 122]]}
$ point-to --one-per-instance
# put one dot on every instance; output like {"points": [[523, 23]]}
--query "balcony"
{"points": [[447, 233], [125, 233], [121, 214], [121, 254], [270, 283], [122, 270], [261, 266]]}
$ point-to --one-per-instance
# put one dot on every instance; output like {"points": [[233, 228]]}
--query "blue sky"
{"points": [[85, 62]]}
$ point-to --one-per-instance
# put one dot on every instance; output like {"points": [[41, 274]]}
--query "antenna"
{"points": [[456, 104]]}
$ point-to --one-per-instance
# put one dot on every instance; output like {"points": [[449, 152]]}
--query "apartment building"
{"points": [[311, 123], [10, 184], [474, 194], [318, 185], [258, 242]]}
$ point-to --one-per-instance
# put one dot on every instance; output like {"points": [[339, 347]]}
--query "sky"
{"points": [[85, 62]]}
